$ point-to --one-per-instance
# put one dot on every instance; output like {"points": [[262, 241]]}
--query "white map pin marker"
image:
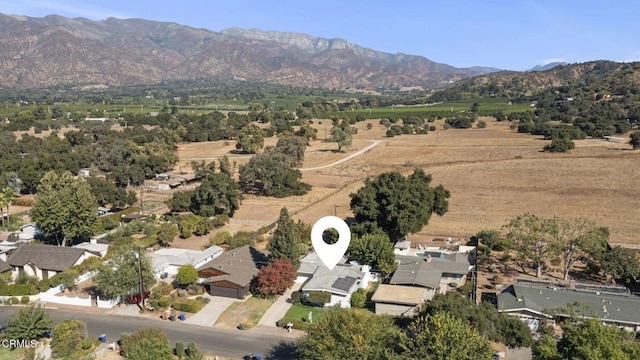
{"points": [[330, 254]]}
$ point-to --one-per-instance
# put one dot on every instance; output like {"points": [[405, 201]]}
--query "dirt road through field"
{"points": [[374, 143]]}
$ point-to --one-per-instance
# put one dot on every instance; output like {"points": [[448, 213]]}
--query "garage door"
{"points": [[224, 291]]}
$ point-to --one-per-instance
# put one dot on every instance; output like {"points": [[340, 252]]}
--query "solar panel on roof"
{"points": [[344, 283]]}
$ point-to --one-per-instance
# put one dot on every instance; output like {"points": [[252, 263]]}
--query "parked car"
{"points": [[136, 298]]}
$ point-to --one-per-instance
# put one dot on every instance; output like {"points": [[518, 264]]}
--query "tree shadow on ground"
{"points": [[282, 350]]}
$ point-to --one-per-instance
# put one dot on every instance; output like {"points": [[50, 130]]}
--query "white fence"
{"points": [[54, 296]]}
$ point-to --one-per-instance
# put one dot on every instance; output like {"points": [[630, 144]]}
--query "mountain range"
{"points": [[55, 50]]}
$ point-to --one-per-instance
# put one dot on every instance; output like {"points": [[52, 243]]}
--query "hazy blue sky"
{"points": [[514, 34]]}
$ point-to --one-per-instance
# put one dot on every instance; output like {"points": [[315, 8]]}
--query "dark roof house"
{"points": [[230, 274], [44, 261], [429, 271], [536, 302]]}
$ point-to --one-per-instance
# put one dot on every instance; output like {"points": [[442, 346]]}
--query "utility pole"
{"points": [[141, 282]]}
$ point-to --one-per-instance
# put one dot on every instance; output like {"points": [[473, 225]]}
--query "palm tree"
{"points": [[6, 198]]}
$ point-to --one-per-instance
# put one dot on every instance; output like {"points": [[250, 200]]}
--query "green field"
{"points": [[487, 107]]}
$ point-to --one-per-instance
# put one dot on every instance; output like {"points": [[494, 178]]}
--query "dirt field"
{"points": [[493, 174]]}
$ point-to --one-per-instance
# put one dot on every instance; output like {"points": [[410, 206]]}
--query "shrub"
{"points": [[359, 299], [187, 275], [318, 297], [87, 344], [24, 300], [220, 238], [296, 297], [44, 285], [163, 302], [163, 288], [179, 349], [24, 278], [203, 299], [432, 128], [12, 301], [481, 124], [559, 145], [188, 305], [183, 293], [369, 126], [18, 290], [23, 201]]}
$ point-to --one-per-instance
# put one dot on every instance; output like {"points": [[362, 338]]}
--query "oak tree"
{"points": [[399, 205]]}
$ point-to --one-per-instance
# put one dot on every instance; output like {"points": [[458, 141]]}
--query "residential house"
{"points": [[45, 261], [435, 271], [398, 300], [420, 277], [29, 232], [94, 247], [169, 260], [402, 247], [531, 301], [230, 273], [342, 281]]}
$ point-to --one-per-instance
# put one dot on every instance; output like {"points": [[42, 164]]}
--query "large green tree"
{"points": [[217, 194], [106, 192], [342, 134], [535, 240], [293, 147], [288, 239], [352, 334], [485, 318], [29, 323], [250, 139], [579, 239], [120, 276], [146, 344], [592, 340], [375, 250], [67, 337], [443, 336], [271, 174], [65, 209], [399, 205], [620, 263]]}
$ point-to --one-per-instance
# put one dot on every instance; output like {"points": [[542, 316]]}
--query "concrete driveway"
{"points": [[210, 312], [279, 307]]}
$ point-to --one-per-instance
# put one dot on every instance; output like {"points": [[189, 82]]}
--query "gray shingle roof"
{"points": [[240, 265], [413, 270], [620, 308], [46, 257], [4, 266], [341, 280]]}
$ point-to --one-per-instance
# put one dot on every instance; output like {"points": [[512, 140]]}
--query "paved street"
{"points": [[224, 342]]}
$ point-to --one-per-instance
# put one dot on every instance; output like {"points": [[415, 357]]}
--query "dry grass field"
{"points": [[493, 174]]}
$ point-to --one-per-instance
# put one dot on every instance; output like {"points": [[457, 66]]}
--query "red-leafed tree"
{"points": [[275, 278]]}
